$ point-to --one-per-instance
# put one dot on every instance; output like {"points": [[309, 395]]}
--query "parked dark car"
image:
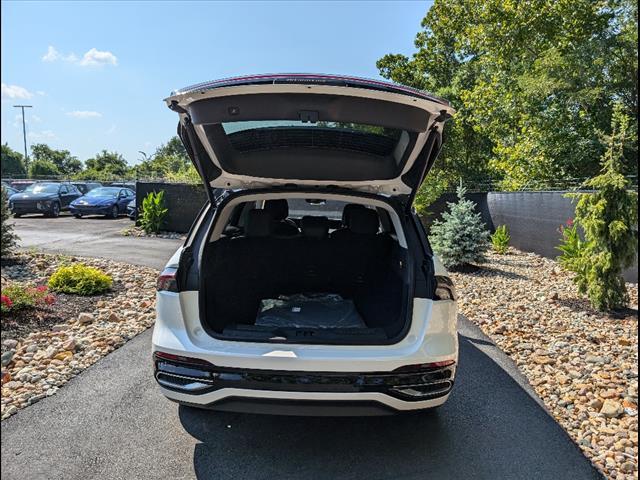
{"points": [[132, 211], [85, 187], [21, 185], [10, 190], [108, 201], [48, 198]]}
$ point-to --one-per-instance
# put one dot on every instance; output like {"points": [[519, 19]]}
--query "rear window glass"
{"points": [[232, 127], [248, 136]]}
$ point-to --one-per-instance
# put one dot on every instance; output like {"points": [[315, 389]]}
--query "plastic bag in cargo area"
{"points": [[315, 310]]}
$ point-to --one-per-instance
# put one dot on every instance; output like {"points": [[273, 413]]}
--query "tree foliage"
{"points": [[65, 163], [8, 239], [12, 162], [533, 82], [43, 168], [106, 164], [609, 219]]}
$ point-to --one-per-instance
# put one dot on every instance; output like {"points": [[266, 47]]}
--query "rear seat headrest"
{"points": [[348, 210], [279, 209], [315, 227], [365, 221], [259, 223]]}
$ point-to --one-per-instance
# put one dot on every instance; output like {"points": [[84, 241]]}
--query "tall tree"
{"points": [[533, 82], [12, 162], [65, 163], [105, 162]]}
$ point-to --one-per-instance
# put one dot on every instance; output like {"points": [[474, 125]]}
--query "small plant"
{"points": [[153, 212], [80, 279], [571, 246], [460, 238], [8, 239], [609, 218], [19, 297], [500, 240]]}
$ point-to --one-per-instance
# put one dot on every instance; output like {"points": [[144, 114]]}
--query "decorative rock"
{"points": [[611, 409], [7, 357], [69, 344], [10, 344], [63, 355], [32, 348], [113, 317], [85, 318], [60, 328]]}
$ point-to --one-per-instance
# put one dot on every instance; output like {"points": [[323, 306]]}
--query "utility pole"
{"points": [[24, 134]]}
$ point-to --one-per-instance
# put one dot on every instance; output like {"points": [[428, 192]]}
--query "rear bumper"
{"points": [[238, 376], [228, 388]]}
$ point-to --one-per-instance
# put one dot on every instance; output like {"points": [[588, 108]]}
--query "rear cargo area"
{"points": [[349, 286]]}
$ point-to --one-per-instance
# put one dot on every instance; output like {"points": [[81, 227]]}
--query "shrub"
{"points": [[571, 246], [609, 219], [8, 239], [80, 279], [461, 237], [153, 212], [19, 297], [500, 240]]}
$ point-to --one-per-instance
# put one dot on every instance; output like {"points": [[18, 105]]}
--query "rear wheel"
{"points": [[17, 215], [114, 212]]}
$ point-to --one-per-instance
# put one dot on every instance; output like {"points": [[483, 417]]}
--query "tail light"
{"points": [[167, 280], [445, 289]]}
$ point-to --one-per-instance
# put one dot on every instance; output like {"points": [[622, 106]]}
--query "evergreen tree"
{"points": [[8, 239], [460, 238], [609, 219]]}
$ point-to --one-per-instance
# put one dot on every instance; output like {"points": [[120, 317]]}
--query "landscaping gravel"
{"points": [[37, 364], [582, 363]]}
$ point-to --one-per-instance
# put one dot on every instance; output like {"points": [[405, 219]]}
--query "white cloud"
{"points": [[53, 55], [43, 135], [16, 92], [41, 93], [93, 57], [84, 114], [111, 130], [97, 57]]}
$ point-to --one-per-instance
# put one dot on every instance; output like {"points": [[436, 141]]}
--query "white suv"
{"points": [[307, 284]]}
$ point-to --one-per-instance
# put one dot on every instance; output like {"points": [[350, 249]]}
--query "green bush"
{"points": [[8, 239], [460, 238], [500, 240], [609, 219], [571, 246], [19, 297], [153, 212], [80, 279]]}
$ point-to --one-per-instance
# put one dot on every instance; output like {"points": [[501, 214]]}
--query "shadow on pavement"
{"points": [[491, 428]]}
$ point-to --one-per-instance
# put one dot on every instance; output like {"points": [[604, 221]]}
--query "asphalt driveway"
{"points": [[111, 422], [93, 237]]}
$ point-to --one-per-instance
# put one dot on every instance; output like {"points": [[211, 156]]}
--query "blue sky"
{"points": [[96, 72]]}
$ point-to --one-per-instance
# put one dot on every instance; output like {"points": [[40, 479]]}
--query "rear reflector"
{"points": [[425, 366], [167, 280], [159, 356]]}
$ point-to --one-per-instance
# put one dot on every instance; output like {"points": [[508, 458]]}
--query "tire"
{"points": [[55, 210], [114, 212], [77, 215], [17, 215]]}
